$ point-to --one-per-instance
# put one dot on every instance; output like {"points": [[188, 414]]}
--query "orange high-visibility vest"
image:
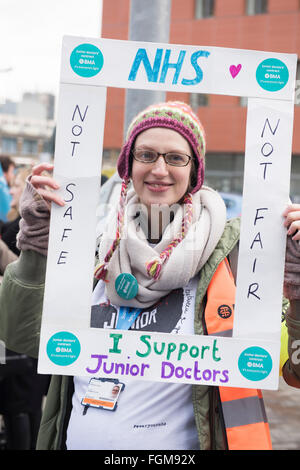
{"points": [[243, 409]]}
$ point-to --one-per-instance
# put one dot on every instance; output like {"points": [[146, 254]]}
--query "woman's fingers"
{"points": [[292, 220], [44, 184], [40, 181], [294, 229], [38, 169], [50, 196]]}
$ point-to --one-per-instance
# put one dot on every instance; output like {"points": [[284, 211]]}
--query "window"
{"points": [[29, 147], [256, 7], [8, 145], [224, 172], [198, 100], [47, 146], [204, 8]]}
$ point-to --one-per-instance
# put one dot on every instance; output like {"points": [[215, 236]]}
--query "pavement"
{"points": [[283, 412]]}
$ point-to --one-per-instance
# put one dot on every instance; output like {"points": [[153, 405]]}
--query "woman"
{"points": [[173, 239]]}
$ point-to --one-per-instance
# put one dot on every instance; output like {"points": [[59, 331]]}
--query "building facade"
{"points": [[27, 127], [269, 25]]}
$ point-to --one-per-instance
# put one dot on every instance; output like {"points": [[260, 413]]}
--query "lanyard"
{"points": [[127, 317]]}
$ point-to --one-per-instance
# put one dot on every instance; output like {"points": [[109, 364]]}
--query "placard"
{"points": [[68, 345]]}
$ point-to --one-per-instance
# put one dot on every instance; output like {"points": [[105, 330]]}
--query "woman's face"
{"points": [[16, 192], [158, 182]]}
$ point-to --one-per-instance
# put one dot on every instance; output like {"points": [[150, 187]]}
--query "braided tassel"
{"points": [[101, 270], [154, 267]]}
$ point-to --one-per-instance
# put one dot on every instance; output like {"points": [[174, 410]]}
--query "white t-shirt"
{"points": [[149, 415]]}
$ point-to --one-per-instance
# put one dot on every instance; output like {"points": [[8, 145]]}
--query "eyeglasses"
{"points": [[171, 158]]}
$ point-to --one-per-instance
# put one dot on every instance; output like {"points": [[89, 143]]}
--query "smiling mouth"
{"points": [[156, 186], [157, 183]]}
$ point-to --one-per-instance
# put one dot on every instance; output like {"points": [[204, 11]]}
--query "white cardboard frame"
{"points": [[68, 346]]}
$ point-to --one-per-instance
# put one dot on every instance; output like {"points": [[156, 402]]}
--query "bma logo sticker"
{"points": [[272, 74], [255, 363], [63, 348], [224, 311], [86, 60]]}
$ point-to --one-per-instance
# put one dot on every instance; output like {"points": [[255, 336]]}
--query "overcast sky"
{"points": [[31, 32]]}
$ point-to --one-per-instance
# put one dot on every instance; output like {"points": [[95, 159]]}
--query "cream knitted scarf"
{"points": [[134, 252]]}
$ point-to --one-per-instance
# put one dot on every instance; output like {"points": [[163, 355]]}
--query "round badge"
{"points": [[272, 74], [224, 311], [255, 363], [63, 348], [126, 286], [86, 60]]}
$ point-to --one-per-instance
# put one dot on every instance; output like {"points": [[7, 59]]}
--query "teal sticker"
{"points": [[126, 286], [272, 74], [63, 348], [86, 60], [255, 363]]}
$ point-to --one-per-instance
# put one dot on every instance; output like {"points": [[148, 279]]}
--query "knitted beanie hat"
{"points": [[174, 115], [179, 117]]}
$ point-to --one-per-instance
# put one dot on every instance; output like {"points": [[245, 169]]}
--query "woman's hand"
{"points": [[45, 185], [292, 220]]}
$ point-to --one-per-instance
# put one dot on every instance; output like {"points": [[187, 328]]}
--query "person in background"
{"points": [[21, 388], [7, 168], [191, 253], [6, 257], [10, 229]]}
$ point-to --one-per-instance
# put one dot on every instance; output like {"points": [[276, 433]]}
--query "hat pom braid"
{"points": [[101, 270]]}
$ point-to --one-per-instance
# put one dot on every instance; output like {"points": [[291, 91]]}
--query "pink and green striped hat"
{"points": [[174, 115]]}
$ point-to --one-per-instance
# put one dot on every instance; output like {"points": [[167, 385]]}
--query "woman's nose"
{"points": [[160, 167]]}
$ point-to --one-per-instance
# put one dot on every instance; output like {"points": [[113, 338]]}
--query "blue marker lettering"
{"points": [[177, 66], [152, 72], [198, 70]]}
